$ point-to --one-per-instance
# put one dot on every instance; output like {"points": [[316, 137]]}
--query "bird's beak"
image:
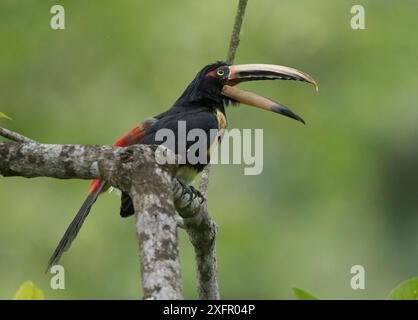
{"points": [[251, 72]]}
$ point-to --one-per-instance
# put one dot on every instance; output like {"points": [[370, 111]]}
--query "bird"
{"points": [[201, 106]]}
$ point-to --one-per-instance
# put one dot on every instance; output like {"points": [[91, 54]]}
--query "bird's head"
{"points": [[215, 85]]}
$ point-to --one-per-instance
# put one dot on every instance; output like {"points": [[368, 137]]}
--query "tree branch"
{"points": [[31, 160], [156, 227], [202, 234], [152, 189], [201, 229], [133, 170]]}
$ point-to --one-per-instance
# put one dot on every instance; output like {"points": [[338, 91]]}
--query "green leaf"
{"points": [[2, 115], [407, 290], [28, 291], [301, 294]]}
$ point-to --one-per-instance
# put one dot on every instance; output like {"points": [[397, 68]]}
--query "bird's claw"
{"points": [[197, 194], [192, 191]]}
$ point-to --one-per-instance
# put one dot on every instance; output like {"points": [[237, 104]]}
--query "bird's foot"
{"points": [[192, 191], [197, 194]]}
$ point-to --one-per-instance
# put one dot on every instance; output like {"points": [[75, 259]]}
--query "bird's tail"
{"points": [[96, 188]]}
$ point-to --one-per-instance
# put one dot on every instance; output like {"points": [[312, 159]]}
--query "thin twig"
{"points": [[234, 42], [233, 45], [200, 227], [14, 136]]}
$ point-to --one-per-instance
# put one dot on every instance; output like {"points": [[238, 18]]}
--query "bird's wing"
{"points": [[192, 119]]}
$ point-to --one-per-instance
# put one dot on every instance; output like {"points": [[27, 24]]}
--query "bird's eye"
{"points": [[220, 72]]}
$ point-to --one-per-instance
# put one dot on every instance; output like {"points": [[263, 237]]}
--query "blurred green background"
{"points": [[338, 192]]}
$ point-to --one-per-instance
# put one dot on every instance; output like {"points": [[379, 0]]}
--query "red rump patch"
{"points": [[132, 137], [94, 185]]}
